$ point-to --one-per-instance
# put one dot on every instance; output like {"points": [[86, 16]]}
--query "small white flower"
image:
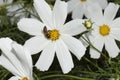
{"points": [[2, 2], [79, 7], [118, 78], [16, 10], [105, 29], [53, 36], [111, 78], [11, 8], [16, 59]]}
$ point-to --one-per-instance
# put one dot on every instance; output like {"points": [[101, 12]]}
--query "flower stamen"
{"points": [[51, 34], [104, 30], [83, 0], [25, 78], [54, 34]]}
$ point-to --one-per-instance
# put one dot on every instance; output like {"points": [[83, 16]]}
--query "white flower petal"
{"points": [[112, 47], [59, 13], [72, 4], [78, 12], [44, 11], [115, 23], [8, 65], [115, 31], [94, 54], [11, 57], [31, 26], [83, 41], [98, 43], [103, 3], [14, 78], [115, 28], [115, 36], [74, 45], [24, 57], [6, 42], [64, 56], [110, 12], [73, 27], [46, 58], [36, 44], [95, 13], [15, 62]]}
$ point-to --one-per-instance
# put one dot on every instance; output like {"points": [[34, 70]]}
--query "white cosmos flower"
{"points": [[111, 78], [2, 2], [105, 29], [79, 7], [11, 8], [15, 11], [114, 78], [53, 36], [16, 59]]}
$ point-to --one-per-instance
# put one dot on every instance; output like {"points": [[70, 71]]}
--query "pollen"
{"points": [[25, 78], [104, 30], [53, 34], [83, 0]]}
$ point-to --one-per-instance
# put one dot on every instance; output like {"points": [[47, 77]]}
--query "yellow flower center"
{"points": [[51, 34], [83, 0], [54, 34], [88, 24], [104, 30], [25, 78]]}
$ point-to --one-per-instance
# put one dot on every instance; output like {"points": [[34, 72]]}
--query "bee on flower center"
{"points": [[51, 34], [46, 32]]}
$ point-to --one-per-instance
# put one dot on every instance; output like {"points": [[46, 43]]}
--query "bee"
{"points": [[46, 32]]}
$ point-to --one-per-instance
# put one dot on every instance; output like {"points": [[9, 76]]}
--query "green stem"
{"points": [[95, 65], [117, 72], [109, 59], [35, 76], [97, 74], [95, 48], [67, 76]]}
